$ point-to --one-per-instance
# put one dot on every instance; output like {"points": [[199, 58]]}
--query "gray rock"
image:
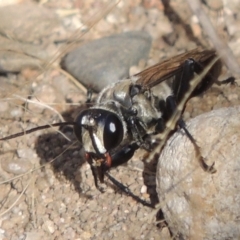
{"points": [[107, 60], [197, 204]]}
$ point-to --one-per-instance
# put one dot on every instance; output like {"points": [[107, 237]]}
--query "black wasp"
{"points": [[127, 113]]}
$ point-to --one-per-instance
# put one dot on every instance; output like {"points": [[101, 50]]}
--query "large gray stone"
{"points": [[197, 204], [107, 60]]}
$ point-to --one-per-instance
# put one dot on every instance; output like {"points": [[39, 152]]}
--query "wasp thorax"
{"points": [[99, 130]]}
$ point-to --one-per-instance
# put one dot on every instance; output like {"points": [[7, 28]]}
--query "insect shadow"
{"points": [[65, 159]]}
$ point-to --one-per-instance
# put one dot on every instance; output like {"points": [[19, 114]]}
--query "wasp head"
{"points": [[99, 131]]}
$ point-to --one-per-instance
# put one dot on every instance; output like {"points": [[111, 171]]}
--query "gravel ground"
{"points": [[58, 200]]}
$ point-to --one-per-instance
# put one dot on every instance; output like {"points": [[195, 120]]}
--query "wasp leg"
{"points": [[94, 173], [98, 173], [127, 191], [230, 80], [181, 84], [89, 96], [118, 158], [171, 103], [136, 127], [200, 158]]}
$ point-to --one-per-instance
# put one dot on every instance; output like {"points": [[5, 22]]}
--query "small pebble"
{"points": [[16, 167], [143, 189]]}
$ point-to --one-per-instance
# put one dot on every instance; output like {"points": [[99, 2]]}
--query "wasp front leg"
{"points": [[100, 167]]}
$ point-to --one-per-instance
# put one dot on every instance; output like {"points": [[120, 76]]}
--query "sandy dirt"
{"points": [[47, 189]]}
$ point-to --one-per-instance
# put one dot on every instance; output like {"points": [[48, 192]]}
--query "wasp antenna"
{"points": [[36, 129]]}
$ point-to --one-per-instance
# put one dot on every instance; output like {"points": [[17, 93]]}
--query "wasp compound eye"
{"points": [[113, 131], [102, 125]]}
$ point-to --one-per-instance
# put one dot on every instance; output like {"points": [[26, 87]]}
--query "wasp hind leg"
{"points": [[200, 158], [180, 88], [171, 105], [191, 67], [230, 80]]}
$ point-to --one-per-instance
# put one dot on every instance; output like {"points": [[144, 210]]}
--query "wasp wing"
{"points": [[160, 72]]}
